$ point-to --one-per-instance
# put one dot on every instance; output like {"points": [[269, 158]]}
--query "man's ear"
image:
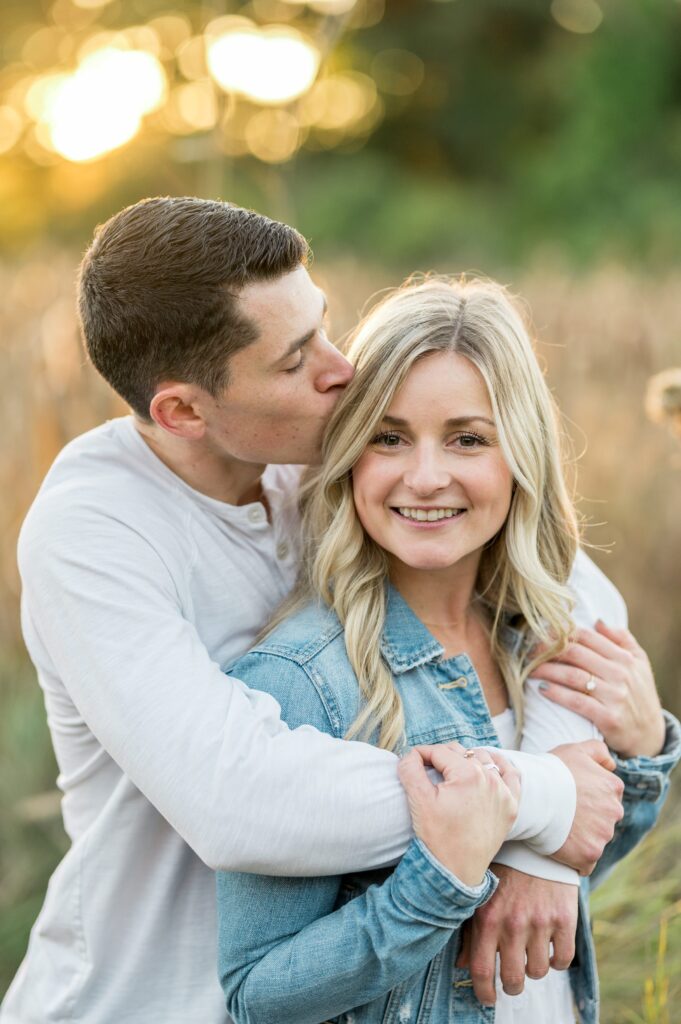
{"points": [[176, 408]]}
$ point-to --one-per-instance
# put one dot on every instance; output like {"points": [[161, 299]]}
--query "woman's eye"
{"points": [[470, 440], [387, 440]]}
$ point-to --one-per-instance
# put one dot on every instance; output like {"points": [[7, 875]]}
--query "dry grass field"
{"points": [[601, 338]]}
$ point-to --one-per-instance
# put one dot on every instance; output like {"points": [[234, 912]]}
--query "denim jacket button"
{"points": [[455, 684]]}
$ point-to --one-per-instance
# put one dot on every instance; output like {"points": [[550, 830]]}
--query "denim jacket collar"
{"points": [[407, 643]]}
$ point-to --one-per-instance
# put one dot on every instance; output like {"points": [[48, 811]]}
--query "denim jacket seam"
{"points": [[323, 691], [301, 656]]}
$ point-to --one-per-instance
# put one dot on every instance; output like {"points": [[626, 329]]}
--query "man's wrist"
{"points": [[521, 857]]}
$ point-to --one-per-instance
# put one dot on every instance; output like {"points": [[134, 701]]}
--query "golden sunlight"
{"points": [[100, 106], [270, 66]]}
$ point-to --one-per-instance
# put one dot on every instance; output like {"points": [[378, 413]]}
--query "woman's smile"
{"points": [[428, 517], [433, 488]]}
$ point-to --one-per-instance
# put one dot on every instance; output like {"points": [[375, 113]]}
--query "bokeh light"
{"points": [[11, 127], [273, 135], [332, 7], [580, 16], [100, 106], [338, 102], [272, 65]]}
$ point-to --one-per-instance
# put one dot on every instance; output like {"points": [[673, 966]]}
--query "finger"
{"points": [[481, 755], [512, 969], [464, 957], [601, 643], [577, 679], [598, 751], [509, 774], [412, 774], [622, 638], [581, 703], [443, 758], [587, 660], [483, 962], [563, 946], [538, 953]]}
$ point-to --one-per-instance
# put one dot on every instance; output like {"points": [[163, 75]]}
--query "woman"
{"points": [[438, 523]]}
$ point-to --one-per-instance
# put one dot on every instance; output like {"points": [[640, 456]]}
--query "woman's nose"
{"points": [[427, 472]]}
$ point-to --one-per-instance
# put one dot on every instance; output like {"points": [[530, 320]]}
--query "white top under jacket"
{"points": [[138, 591]]}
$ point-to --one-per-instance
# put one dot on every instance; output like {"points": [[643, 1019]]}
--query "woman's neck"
{"points": [[443, 601]]}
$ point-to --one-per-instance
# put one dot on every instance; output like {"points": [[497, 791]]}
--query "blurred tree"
{"points": [[500, 128]]}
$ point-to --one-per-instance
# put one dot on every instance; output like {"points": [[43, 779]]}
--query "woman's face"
{"points": [[432, 487]]}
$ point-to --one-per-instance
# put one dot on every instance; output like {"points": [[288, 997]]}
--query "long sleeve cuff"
{"points": [[522, 858], [425, 890], [548, 801], [645, 778]]}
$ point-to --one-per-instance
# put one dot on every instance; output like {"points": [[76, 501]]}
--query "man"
{"points": [[155, 550]]}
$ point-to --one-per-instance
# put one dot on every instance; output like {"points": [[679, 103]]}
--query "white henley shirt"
{"points": [[138, 591]]}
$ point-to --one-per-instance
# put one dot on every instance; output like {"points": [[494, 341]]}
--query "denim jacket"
{"points": [[381, 948]]}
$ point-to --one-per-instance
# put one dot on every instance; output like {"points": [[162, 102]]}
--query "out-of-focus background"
{"points": [[534, 141]]}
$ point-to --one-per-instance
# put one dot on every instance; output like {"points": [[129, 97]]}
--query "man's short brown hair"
{"points": [[157, 291]]}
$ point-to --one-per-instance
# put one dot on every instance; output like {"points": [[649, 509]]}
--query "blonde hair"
{"points": [[524, 569]]}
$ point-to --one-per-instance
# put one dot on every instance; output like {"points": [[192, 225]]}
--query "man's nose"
{"points": [[427, 471], [336, 371]]}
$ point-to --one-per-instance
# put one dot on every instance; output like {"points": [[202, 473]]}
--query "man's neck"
{"points": [[211, 473]]}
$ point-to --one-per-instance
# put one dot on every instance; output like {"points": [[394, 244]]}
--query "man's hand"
{"points": [[599, 803], [523, 916]]}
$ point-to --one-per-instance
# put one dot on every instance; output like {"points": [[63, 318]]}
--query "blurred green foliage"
{"points": [[523, 138]]}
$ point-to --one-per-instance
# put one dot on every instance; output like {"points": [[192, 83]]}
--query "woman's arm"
{"points": [[285, 954]]}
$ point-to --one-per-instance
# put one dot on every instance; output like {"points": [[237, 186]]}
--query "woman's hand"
{"points": [[464, 819], [605, 676]]}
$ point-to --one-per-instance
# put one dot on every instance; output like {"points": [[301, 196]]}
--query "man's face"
{"points": [[283, 387]]}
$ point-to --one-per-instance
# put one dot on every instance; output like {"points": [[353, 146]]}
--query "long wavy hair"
{"points": [[523, 570]]}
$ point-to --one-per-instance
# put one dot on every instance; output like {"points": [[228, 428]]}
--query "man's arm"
{"points": [[646, 785], [104, 615], [103, 612]]}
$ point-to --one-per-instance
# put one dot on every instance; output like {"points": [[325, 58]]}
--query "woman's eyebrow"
{"points": [[457, 421]]}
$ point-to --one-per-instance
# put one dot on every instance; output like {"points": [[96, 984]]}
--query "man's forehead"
{"points": [[291, 294]]}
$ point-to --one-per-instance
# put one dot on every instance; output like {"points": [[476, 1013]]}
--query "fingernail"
{"points": [[543, 686]]}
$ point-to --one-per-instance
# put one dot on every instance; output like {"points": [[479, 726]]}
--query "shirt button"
{"points": [[282, 549], [256, 514]]}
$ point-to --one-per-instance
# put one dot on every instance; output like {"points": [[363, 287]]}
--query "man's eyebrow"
{"points": [[296, 345], [457, 421]]}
